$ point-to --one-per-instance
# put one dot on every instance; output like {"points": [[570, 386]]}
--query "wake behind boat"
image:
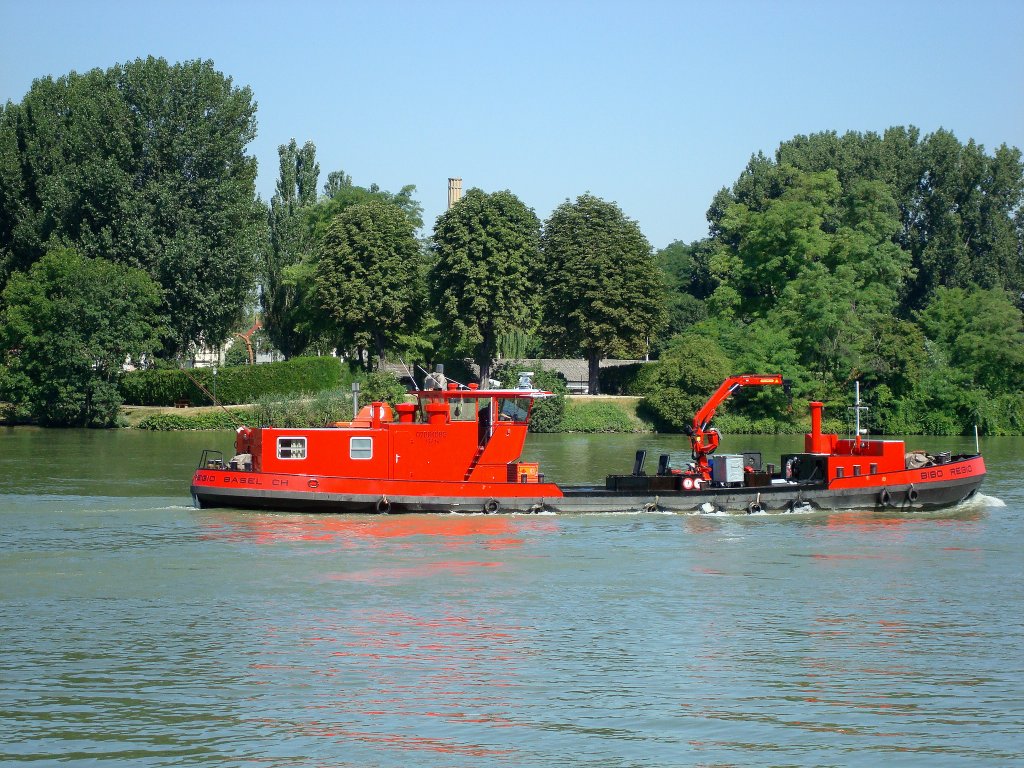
{"points": [[458, 449]]}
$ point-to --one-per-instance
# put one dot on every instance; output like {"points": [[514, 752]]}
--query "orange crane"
{"points": [[703, 437]]}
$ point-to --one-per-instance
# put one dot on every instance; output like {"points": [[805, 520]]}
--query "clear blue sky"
{"points": [[654, 105]]}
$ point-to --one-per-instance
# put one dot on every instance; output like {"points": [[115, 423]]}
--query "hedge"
{"points": [[235, 384], [598, 416], [171, 422]]}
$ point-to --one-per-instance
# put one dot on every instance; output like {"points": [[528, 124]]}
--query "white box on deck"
{"points": [[727, 468]]}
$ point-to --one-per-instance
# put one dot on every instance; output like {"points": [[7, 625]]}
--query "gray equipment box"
{"points": [[727, 469]]}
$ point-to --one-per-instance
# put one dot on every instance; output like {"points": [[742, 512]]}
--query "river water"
{"points": [[137, 630]]}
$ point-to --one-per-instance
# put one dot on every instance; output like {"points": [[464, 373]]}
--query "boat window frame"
{"points": [[518, 413], [293, 440], [356, 454], [464, 409]]}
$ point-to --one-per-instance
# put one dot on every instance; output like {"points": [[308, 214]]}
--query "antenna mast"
{"points": [[857, 408]]}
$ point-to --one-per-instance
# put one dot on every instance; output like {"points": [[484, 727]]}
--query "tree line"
{"points": [[130, 226]]}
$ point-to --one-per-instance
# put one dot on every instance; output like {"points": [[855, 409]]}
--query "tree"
{"points": [[603, 289], [766, 246], [68, 325], [689, 370], [340, 193], [305, 321], [685, 276], [484, 280], [982, 333], [368, 274], [284, 298], [143, 164]]}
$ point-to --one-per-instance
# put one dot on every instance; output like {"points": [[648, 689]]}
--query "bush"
{"points": [[169, 422], [596, 416], [320, 410], [242, 384], [381, 386], [547, 414], [236, 354]]}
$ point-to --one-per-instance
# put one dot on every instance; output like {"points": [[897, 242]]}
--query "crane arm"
{"points": [[703, 438]]}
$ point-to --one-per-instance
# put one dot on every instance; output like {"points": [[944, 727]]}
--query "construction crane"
{"points": [[703, 437]]}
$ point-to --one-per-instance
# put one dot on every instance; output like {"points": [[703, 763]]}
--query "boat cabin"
{"points": [[454, 434]]}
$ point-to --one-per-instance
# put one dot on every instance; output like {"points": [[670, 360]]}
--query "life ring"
{"points": [[912, 494], [687, 483], [884, 498], [754, 508], [491, 506], [383, 505], [314, 484]]}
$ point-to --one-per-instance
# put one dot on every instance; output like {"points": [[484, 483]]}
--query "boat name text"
{"points": [[206, 477], [938, 474]]}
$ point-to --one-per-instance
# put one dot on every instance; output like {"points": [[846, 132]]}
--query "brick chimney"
{"points": [[454, 191]]}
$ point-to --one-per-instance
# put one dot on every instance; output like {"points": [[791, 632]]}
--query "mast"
{"points": [[857, 408]]}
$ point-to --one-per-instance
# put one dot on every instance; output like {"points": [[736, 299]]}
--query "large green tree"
{"points": [[284, 298], [820, 258], [981, 333], [369, 274], [67, 327], [603, 289], [484, 280], [142, 164], [304, 223], [958, 205]]}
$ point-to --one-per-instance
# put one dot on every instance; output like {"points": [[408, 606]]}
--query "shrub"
{"points": [[547, 414], [168, 422], [241, 384], [596, 416], [381, 386]]}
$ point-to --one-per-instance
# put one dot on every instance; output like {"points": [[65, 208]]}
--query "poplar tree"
{"points": [[283, 295]]}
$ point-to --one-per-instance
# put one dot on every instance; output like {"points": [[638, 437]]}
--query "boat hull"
{"points": [[930, 487]]}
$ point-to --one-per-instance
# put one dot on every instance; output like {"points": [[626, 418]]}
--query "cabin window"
{"points": [[463, 409], [514, 408], [360, 448], [291, 447]]}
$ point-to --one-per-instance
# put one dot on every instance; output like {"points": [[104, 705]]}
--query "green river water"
{"points": [[137, 630]]}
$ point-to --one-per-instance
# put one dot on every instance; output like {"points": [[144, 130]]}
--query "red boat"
{"points": [[458, 449]]}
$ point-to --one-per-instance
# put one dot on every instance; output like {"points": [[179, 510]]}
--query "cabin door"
{"points": [[484, 421]]}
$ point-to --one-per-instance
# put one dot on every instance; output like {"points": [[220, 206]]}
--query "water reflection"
{"points": [[390, 649], [382, 678], [500, 531]]}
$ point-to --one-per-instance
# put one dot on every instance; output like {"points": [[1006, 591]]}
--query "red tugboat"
{"points": [[458, 449]]}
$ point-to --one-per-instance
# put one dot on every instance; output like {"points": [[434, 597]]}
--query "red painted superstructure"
{"points": [[459, 448]]}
